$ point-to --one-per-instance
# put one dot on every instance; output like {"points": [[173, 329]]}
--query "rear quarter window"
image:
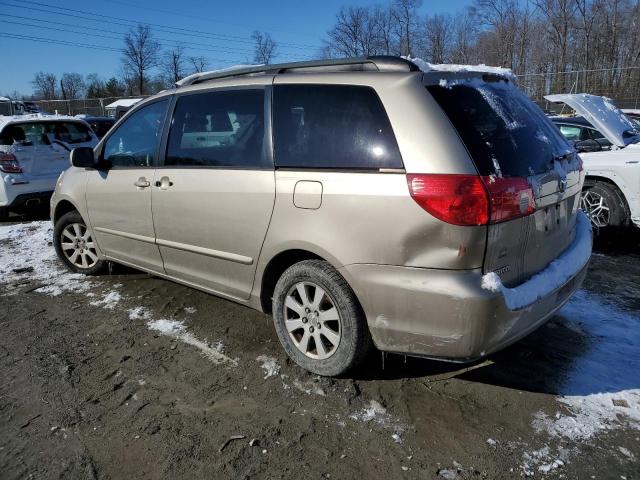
{"points": [[332, 127], [505, 132]]}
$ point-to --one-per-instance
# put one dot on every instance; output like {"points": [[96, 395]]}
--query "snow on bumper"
{"points": [[554, 276]]}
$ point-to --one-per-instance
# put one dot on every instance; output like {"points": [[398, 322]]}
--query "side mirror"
{"points": [[82, 157], [588, 146]]}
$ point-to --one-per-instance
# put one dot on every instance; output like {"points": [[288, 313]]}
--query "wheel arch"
{"points": [[63, 207]]}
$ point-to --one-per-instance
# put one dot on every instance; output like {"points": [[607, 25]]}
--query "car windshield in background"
{"points": [[505, 131], [44, 133], [101, 127]]}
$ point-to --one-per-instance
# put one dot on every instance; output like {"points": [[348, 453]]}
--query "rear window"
{"points": [[44, 133], [101, 127], [333, 127], [505, 132]]}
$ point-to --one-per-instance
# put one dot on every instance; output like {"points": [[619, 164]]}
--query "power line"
{"points": [[59, 42], [131, 23], [93, 34]]}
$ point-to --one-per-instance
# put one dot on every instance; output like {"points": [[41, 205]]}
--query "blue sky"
{"points": [[92, 38]]}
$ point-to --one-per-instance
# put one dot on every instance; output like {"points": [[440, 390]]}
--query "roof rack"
{"points": [[380, 63]]}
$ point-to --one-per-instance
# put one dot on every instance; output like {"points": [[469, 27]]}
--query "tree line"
{"points": [[538, 38], [145, 69]]}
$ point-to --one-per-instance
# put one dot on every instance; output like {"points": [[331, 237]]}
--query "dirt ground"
{"points": [[89, 389]]}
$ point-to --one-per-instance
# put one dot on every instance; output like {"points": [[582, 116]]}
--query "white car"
{"points": [[611, 195], [34, 150]]}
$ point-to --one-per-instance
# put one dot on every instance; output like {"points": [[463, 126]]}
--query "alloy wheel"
{"points": [[78, 246], [312, 320], [596, 208]]}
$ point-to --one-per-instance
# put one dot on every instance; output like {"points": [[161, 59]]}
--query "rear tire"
{"points": [[318, 319], [605, 205], [75, 245], [4, 214]]}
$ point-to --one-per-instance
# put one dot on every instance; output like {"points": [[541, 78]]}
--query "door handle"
{"points": [[142, 183], [164, 183]]}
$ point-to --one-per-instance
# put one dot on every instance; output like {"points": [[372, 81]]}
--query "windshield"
{"points": [[505, 132]]}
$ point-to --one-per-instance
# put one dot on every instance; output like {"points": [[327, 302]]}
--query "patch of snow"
{"points": [[139, 313], [178, 330], [190, 310], [626, 453], [601, 390], [454, 68], [448, 473], [27, 247], [269, 365], [491, 441], [571, 261], [109, 301], [396, 438], [542, 461], [376, 413]]}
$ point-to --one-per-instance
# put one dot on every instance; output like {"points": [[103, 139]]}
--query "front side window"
{"points": [[332, 126], [135, 142], [218, 129]]}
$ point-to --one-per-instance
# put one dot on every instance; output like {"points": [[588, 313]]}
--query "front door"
{"points": [[119, 197], [214, 194]]}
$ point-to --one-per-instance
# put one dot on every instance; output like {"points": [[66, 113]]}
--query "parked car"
{"points": [[583, 136], [34, 150], [633, 114], [611, 195], [99, 125], [359, 201]]}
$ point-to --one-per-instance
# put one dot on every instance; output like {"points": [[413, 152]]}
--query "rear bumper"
{"points": [[25, 201], [449, 314]]}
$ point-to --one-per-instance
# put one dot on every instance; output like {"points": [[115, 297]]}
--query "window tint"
{"points": [[218, 129], [505, 132], [101, 127], [332, 126], [135, 141]]}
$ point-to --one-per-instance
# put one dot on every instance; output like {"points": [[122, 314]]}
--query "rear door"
{"points": [[509, 138], [213, 195], [119, 197]]}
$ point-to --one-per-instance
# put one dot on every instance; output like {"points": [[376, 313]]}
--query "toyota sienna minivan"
{"points": [[362, 202]]}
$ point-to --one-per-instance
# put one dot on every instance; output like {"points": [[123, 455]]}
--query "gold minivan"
{"points": [[362, 202]]}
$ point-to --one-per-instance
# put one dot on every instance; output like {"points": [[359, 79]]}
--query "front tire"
{"points": [[605, 205], [318, 319], [75, 245]]}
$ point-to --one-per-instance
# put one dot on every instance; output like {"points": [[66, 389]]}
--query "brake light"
{"points": [[9, 163], [510, 197], [456, 199], [471, 199]]}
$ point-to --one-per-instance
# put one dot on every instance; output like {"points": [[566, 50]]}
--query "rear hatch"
{"points": [[517, 151]]}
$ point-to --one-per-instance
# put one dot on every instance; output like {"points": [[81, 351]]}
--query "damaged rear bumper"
{"points": [[448, 314]]}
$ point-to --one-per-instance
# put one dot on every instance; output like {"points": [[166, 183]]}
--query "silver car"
{"points": [[362, 202]]}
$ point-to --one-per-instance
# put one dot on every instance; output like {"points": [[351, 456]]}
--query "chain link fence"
{"points": [[89, 106], [622, 85]]}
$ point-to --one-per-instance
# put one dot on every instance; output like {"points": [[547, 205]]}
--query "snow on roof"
{"points": [[453, 68], [124, 102], [633, 111], [5, 99], [34, 117]]}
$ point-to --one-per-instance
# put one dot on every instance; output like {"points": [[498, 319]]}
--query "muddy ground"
{"points": [[91, 391]]}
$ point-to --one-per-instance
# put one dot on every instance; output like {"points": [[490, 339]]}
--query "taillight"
{"points": [[9, 163], [471, 199], [510, 197], [456, 199]]}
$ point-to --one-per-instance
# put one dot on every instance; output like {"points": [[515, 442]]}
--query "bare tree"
{"points": [[72, 86], [173, 65], [405, 14], [437, 38], [199, 64], [45, 85], [140, 55], [355, 33], [265, 47]]}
